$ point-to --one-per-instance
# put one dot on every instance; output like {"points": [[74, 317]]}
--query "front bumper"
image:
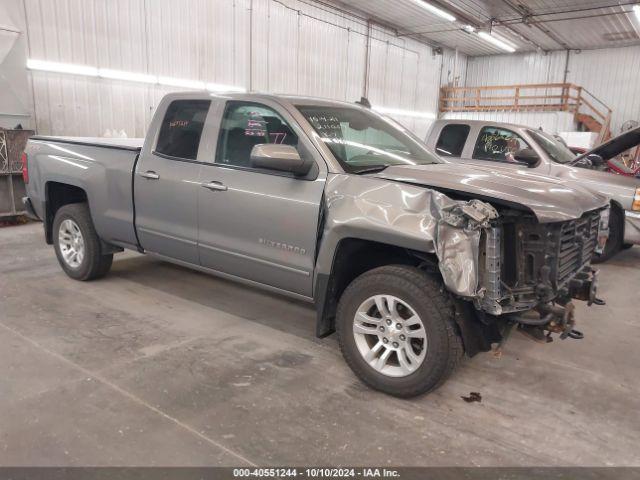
{"points": [[558, 316], [30, 211], [632, 227]]}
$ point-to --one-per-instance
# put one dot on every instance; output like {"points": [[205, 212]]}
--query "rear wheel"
{"points": [[615, 241], [77, 244], [397, 330]]}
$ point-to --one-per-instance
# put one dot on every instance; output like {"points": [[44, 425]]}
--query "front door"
{"points": [[256, 224], [166, 184]]}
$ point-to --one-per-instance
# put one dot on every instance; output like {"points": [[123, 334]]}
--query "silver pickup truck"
{"points": [[412, 260], [517, 147]]}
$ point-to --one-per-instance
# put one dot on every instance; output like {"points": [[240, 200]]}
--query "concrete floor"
{"points": [[160, 365]]}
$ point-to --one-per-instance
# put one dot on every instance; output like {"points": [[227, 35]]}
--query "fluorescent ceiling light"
{"points": [[404, 113], [127, 76], [503, 39], [469, 28], [498, 43], [181, 83], [435, 10], [636, 10], [62, 68]]}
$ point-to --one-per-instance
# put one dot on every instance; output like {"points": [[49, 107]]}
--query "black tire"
{"points": [[427, 296], [616, 233], [94, 264]]}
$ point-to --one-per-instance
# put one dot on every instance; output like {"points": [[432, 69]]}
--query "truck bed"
{"points": [[100, 169]]}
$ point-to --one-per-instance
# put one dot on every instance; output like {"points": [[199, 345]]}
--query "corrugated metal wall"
{"points": [[612, 75], [15, 96], [283, 46], [454, 69], [512, 69]]}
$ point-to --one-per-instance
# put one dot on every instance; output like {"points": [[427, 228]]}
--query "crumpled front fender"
{"points": [[406, 216]]}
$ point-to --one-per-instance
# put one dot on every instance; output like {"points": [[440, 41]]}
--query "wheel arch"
{"points": [[352, 257], [58, 194], [364, 254]]}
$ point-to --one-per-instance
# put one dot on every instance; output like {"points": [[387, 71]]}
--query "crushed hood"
{"points": [[550, 199], [615, 146]]}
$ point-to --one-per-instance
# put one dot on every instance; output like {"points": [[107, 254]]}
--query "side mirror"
{"points": [[583, 163], [283, 158], [596, 160], [528, 156]]}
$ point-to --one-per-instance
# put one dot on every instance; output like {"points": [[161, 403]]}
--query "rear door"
{"points": [[166, 183], [452, 139], [256, 224]]}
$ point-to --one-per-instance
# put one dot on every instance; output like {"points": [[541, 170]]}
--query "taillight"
{"points": [[25, 168]]}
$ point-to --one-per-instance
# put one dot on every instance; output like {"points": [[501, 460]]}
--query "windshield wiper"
{"points": [[372, 169]]}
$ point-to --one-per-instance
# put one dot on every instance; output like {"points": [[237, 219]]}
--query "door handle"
{"points": [[150, 175], [215, 186]]}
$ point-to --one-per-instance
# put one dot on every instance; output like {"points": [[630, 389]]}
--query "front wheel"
{"points": [[77, 244], [397, 330]]}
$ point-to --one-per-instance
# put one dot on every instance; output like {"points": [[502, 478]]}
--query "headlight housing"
{"points": [[636, 201], [603, 230]]}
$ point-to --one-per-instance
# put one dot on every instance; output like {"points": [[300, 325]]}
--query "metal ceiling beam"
{"points": [[522, 36], [478, 24], [527, 13], [583, 9], [511, 20], [499, 22], [368, 17]]}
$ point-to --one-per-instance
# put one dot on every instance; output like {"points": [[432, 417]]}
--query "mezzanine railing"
{"points": [[588, 110]]}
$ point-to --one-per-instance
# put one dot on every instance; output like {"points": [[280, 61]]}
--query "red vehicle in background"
{"points": [[620, 155]]}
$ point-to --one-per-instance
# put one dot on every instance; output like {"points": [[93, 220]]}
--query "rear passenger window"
{"points": [[181, 128], [452, 140], [246, 125]]}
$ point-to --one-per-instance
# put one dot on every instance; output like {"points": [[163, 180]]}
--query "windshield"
{"points": [[557, 150], [363, 141]]}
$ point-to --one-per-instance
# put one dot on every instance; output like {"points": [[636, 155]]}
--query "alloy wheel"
{"points": [[71, 243], [390, 335]]}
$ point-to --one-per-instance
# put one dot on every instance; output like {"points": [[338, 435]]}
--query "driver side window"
{"points": [[498, 145], [246, 125]]}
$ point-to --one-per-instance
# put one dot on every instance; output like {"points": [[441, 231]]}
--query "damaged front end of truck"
{"points": [[502, 266], [532, 271]]}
